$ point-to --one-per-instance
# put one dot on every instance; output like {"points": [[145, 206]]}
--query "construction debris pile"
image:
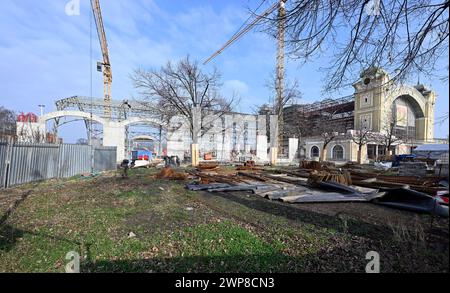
{"points": [[169, 173], [314, 182], [413, 169]]}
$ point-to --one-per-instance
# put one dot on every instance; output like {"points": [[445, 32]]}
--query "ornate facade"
{"points": [[381, 107]]}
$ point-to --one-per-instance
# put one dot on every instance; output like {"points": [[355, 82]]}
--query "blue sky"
{"points": [[45, 54]]}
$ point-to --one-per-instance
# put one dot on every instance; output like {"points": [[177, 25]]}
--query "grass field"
{"points": [[175, 230]]}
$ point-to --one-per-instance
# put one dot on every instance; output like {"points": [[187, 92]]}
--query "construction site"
{"points": [[177, 180]]}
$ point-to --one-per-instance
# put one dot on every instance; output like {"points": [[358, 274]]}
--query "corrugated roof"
{"points": [[432, 148]]}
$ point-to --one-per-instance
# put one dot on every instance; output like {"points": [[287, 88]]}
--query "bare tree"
{"points": [[29, 132], [403, 37], [388, 137], [82, 141], [362, 137], [389, 134], [326, 123], [327, 138], [7, 123], [37, 135], [296, 123], [182, 89]]}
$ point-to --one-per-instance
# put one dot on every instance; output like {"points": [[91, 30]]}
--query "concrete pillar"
{"points": [[376, 152], [420, 129], [273, 155], [247, 149], [114, 135], [273, 139], [261, 148], [273, 131], [293, 148]]}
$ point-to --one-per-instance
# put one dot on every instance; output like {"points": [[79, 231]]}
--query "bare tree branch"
{"points": [[176, 89], [402, 36]]}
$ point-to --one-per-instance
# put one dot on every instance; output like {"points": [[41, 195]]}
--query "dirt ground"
{"points": [[142, 224]]}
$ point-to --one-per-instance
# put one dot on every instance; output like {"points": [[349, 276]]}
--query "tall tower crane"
{"points": [[107, 73], [279, 84]]}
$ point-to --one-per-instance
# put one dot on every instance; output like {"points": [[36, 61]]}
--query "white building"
{"points": [[30, 132], [230, 137]]}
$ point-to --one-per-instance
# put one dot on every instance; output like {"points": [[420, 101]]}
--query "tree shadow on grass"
{"points": [[261, 263], [342, 223], [340, 259], [9, 235]]}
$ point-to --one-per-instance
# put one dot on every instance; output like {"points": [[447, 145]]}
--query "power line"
{"points": [[246, 21], [91, 93]]}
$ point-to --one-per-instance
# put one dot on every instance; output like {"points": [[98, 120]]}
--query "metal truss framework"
{"points": [[119, 111]]}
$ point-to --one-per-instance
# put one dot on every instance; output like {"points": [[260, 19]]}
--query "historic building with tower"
{"points": [[397, 115]]}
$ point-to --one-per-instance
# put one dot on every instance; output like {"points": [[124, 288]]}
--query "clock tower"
{"points": [[370, 92]]}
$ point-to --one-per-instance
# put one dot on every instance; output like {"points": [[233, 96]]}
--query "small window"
{"points": [[315, 152]]}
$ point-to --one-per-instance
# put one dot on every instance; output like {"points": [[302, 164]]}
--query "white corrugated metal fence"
{"points": [[28, 162]]}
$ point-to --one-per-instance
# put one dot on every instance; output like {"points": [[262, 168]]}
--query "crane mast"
{"points": [[280, 74], [279, 83], [107, 73]]}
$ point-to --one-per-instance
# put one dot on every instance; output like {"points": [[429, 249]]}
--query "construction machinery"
{"points": [[279, 84], [106, 65]]}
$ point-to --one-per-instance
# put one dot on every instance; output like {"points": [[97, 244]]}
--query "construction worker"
{"points": [[125, 166]]}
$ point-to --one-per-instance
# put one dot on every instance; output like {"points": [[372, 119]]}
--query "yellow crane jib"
{"points": [[280, 69], [107, 72]]}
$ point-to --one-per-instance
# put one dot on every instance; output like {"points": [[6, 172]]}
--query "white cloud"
{"points": [[235, 86]]}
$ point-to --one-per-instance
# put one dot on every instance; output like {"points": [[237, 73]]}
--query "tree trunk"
{"points": [[359, 154], [196, 128], [388, 151], [323, 154]]}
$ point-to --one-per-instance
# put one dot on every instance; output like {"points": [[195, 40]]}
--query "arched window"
{"points": [[405, 111], [338, 152], [315, 152]]}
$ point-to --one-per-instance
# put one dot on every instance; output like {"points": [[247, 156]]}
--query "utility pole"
{"points": [[42, 109]]}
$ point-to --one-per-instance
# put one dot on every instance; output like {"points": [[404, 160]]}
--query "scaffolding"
{"points": [[337, 112]]}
